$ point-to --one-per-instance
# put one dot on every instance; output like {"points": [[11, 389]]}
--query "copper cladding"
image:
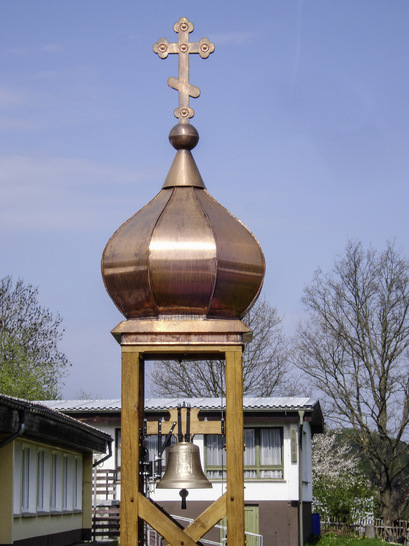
{"points": [[183, 253]]}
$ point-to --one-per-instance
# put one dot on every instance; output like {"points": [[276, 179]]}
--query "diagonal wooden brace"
{"points": [[167, 527]]}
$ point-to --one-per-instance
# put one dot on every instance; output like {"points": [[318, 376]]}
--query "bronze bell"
{"points": [[184, 470]]}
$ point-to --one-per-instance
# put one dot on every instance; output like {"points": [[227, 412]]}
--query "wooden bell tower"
{"points": [[141, 346], [183, 271]]}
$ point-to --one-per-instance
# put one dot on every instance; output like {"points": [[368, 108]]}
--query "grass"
{"points": [[341, 540]]}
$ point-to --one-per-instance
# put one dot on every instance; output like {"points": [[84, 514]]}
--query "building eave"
{"points": [[49, 426]]}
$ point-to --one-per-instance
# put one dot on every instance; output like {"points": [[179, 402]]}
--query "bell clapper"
{"points": [[183, 493]]}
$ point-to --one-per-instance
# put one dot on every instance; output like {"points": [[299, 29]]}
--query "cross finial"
{"points": [[183, 48]]}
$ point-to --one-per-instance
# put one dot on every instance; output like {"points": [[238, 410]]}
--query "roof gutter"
{"points": [[20, 431]]}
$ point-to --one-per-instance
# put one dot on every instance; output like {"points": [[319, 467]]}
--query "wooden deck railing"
{"points": [[105, 522], [105, 484]]}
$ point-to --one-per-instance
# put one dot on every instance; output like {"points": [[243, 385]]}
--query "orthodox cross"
{"points": [[183, 48]]}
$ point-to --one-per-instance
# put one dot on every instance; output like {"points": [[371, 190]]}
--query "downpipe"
{"points": [[96, 463], [300, 479], [20, 431]]}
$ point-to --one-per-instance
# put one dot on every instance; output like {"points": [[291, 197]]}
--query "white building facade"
{"points": [[277, 460]]}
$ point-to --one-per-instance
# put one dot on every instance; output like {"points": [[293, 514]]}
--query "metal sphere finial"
{"points": [[183, 137]]}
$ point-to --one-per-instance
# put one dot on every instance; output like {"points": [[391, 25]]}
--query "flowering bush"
{"points": [[340, 489]]}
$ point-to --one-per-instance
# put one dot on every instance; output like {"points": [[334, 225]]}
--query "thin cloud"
{"points": [[11, 97], [52, 48], [14, 51], [300, 6], [234, 38], [13, 124], [68, 194]]}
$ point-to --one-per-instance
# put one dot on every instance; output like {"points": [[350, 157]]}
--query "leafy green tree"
{"points": [[341, 491], [354, 348], [31, 364]]}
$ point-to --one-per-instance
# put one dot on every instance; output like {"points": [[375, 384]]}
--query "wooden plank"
{"points": [[130, 419], [207, 519], [140, 401], [202, 427], [181, 349], [196, 426], [162, 523], [234, 449]]}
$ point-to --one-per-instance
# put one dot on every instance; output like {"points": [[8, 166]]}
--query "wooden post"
{"points": [[131, 419], [234, 447]]}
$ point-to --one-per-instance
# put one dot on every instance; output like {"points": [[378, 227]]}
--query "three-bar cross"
{"points": [[183, 48]]}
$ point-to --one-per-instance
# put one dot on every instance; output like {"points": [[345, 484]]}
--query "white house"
{"points": [[46, 474], [277, 459]]}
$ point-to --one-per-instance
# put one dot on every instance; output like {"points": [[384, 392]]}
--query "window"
{"points": [[53, 493], [215, 457], [118, 448], [150, 443], [56, 482], [263, 453], [78, 483], [40, 480], [17, 478], [67, 482], [28, 479], [262, 457], [46, 481], [43, 480], [25, 480]]}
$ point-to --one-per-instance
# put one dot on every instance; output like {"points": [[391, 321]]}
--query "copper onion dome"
{"points": [[183, 253]]}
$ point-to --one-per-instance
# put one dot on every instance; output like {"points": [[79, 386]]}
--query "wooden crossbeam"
{"points": [[196, 426]]}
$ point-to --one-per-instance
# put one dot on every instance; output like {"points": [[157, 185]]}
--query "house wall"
{"points": [[278, 520], [42, 529], [87, 482], [109, 427], [255, 490], [281, 490], [6, 496], [24, 526]]}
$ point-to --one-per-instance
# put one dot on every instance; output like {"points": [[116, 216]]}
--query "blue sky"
{"points": [[304, 136]]}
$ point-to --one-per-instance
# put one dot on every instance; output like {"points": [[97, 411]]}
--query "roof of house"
{"points": [[272, 405], [41, 422], [114, 405]]}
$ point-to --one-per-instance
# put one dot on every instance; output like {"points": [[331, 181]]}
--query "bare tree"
{"points": [[354, 348], [264, 363], [31, 364]]}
